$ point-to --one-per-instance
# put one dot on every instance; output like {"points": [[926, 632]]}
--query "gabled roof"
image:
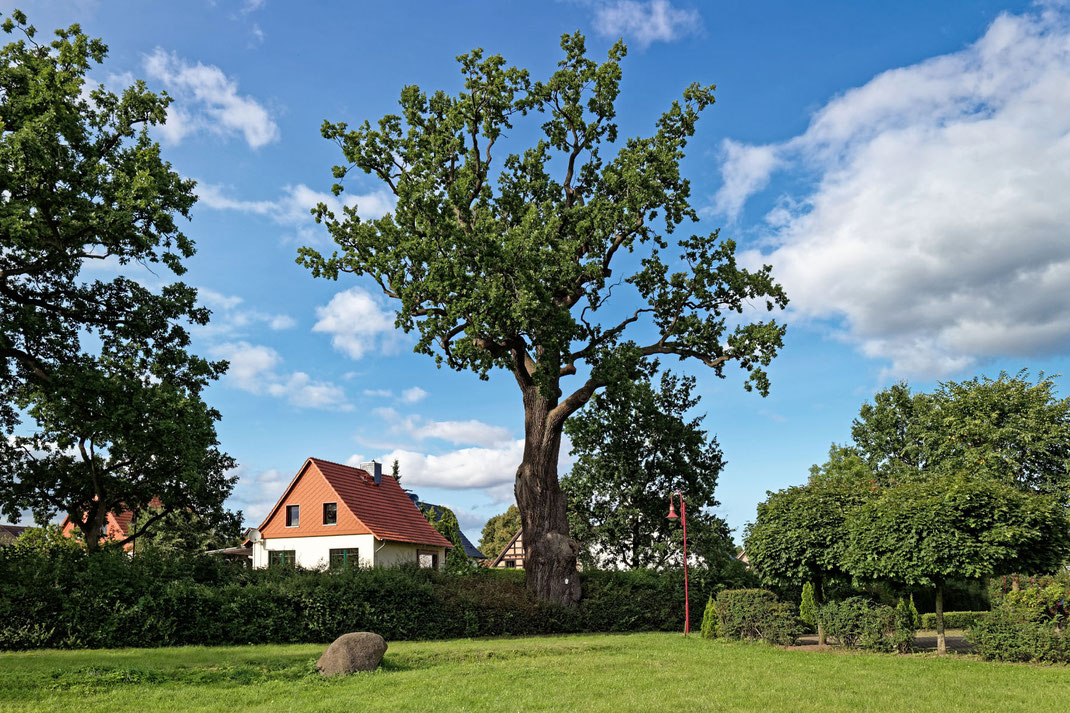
{"points": [[500, 557], [384, 508], [10, 533], [469, 549]]}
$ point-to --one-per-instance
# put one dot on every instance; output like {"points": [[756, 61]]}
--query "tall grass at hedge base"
{"points": [[70, 599], [756, 615], [857, 622]]}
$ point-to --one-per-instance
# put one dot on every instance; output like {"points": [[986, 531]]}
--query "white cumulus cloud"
{"points": [[937, 231], [255, 368], [645, 22], [357, 322], [206, 99]]}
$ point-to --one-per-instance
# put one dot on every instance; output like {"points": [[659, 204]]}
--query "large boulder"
{"points": [[359, 651]]}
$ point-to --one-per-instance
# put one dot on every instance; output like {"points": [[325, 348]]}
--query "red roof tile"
{"points": [[384, 509]]}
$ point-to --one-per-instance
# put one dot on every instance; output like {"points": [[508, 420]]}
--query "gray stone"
{"points": [[359, 651]]}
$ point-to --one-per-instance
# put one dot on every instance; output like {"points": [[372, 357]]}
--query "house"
{"points": [[470, 550], [10, 533], [117, 526], [334, 515], [512, 557]]}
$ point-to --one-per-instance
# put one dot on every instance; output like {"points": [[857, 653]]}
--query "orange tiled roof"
{"points": [[384, 509]]}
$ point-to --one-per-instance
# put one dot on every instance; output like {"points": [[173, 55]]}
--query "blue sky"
{"points": [[904, 167]]}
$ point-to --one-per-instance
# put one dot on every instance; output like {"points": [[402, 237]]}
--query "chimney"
{"points": [[375, 469]]}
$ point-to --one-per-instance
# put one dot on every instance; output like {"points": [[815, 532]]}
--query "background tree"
{"points": [[953, 526], [799, 536], [446, 524], [82, 182], [498, 531], [511, 269], [1008, 428], [187, 532], [633, 446]]}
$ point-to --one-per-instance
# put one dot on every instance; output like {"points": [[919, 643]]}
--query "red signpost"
{"points": [[683, 522]]}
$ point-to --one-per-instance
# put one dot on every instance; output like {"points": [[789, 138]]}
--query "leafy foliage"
{"points": [[498, 531], [634, 446], [709, 620], [75, 599], [954, 619], [808, 607], [1008, 635], [857, 622], [188, 532], [445, 523], [120, 422], [756, 615]]}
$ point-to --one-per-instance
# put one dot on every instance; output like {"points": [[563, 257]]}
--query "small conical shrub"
{"points": [[808, 607], [709, 620], [914, 613]]}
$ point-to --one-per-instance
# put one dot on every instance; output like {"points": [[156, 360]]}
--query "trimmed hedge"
{"points": [[756, 615], [1007, 635], [954, 619], [69, 599], [858, 622]]}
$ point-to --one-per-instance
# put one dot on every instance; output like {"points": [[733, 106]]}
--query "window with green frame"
{"points": [[345, 557], [282, 558]]}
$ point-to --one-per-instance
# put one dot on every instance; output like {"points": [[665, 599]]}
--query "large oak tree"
{"points": [[521, 262]]}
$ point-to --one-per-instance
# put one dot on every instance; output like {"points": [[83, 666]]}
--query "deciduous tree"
{"points": [[498, 531], [634, 445], [526, 267], [99, 367]]}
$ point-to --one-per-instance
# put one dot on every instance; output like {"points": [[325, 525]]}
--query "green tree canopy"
{"points": [[498, 531], [953, 526], [98, 368], [515, 262], [634, 445]]}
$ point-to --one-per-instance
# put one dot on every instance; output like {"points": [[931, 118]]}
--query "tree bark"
{"points": [[819, 599], [549, 552], [941, 643]]}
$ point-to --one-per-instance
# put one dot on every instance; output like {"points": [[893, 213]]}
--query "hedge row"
{"points": [[1006, 635], [954, 619], [752, 615], [858, 622], [73, 600]]}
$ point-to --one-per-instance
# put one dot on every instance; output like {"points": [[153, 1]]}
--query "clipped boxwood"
{"points": [[954, 619]]}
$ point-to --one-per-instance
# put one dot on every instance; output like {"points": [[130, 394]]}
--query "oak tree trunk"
{"points": [[941, 644], [549, 552]]}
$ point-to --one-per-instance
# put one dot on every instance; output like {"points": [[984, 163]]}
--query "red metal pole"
{"points": [[683, 522]]}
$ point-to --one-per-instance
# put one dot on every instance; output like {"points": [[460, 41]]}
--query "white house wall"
{"points": [[313, 552]]}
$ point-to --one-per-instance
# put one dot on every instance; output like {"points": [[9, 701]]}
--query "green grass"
{"points": [[639, 672]]}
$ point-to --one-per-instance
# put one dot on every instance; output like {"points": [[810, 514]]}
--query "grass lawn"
{"points": [[638, 672]]}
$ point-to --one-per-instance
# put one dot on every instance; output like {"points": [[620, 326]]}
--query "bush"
{"points": [[954, 619], [69, 599], [857, 622], [807, 607], [709, 620], [1008, 635], [756, 615]]}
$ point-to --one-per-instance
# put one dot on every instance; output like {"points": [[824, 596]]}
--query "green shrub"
{"points": [[807, 607], [709, 620], [954, 619], [1008, 635], [857, 622], [756, 615], [68, 599], [914, 616]]}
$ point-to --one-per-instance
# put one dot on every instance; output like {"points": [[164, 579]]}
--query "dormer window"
{"points": [[293, 515], [330, 513]]}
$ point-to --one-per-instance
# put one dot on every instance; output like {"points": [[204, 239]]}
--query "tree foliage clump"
{"points": [[520, 262], [444, 520], [633, 446], [498, 531], [100, 401]]}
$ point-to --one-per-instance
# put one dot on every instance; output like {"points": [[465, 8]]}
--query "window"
{"points": [[293, 515], [347, 557], [330, 514], [510, 563], [427, 560], [281, 558]]}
